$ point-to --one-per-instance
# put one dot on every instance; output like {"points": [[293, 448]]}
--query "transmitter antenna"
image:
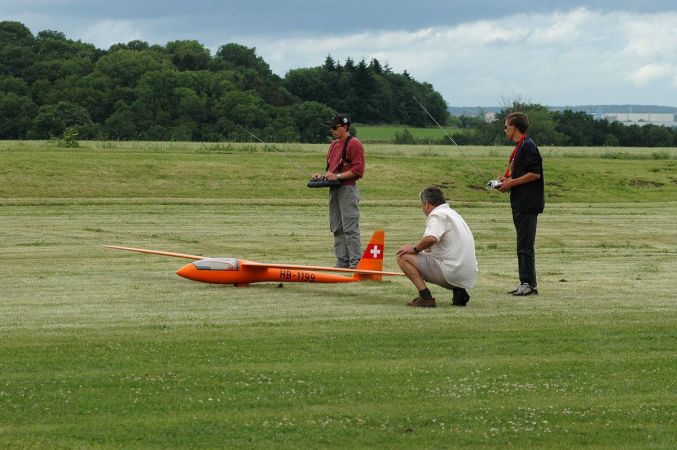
{"points": [[305, 172], [451, 139]]}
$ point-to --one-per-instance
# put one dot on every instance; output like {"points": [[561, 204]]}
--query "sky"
{"points": [[475, 53]]}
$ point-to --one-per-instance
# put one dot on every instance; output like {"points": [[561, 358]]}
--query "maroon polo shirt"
{"points": [[354, 154]]}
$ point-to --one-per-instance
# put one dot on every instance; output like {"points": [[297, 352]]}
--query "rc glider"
{"points": [[241, 272]]}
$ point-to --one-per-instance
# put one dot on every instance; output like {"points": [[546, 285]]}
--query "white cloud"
{"points": [[576, 57], [107, 32], [652, 72], [652, 36]]}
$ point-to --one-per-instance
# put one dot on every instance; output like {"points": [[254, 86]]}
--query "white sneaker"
{"points": [[514, 290], [525, 289]]}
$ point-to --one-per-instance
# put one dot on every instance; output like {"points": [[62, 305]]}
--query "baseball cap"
{"points": [[338, 119]]}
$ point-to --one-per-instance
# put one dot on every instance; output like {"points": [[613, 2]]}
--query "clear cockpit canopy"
{"points": [[224, 264]]}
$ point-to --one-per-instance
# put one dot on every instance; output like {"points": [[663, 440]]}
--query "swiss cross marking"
{"points": [[375, 251]]}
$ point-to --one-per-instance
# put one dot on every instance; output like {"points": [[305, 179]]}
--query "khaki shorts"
{"points": [[431, 270]]}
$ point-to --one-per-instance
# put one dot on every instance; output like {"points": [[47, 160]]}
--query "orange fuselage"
{"points": [[246, 275]]}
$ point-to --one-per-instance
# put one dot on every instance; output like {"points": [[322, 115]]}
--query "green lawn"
{"points": [[108, 349], [386, 133]]}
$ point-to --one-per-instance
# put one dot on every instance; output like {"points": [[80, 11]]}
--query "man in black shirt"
{"points": [[524, 181]]}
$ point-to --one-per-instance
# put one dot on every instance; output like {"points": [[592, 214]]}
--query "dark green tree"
{"points": [[657, 136], [633, 136], [236, 55], [125, 67], [14, 85], [15, 33], [375, 66], [308, 84], [122, 123], [577, 126], [244, 109], [16, 48], [52, 120], [310, 119], [189, 55], [329, 64], [17, 114]]}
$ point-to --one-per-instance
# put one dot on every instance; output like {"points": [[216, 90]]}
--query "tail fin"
{"points": [[372, 258]]}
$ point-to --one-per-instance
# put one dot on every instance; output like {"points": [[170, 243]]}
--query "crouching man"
{"points": [[444, 256]]}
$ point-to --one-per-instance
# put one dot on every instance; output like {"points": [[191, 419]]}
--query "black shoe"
{"points": [[461, 297]]}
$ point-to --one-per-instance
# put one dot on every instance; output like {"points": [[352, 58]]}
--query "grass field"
{"points": [[386, 133], [106, 349]]}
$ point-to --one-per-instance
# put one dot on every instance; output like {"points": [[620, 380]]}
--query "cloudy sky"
{"points": [[473, 52]]}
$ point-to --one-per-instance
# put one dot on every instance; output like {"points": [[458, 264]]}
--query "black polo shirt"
{"points": [[529, 197]]}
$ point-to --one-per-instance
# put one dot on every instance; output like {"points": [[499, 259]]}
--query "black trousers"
{"points": [[525, 226]]}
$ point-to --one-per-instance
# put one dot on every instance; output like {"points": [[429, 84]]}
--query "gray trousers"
{"points": [[344, 222]]}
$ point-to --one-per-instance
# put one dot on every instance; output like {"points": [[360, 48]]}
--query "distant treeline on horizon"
{"points": [[562, 128], [50, 85], [590, 109], [181, 92]]}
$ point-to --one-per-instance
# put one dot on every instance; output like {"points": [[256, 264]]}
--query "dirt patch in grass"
{"points": [[645, 183]]}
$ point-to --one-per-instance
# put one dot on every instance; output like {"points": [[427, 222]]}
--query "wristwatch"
{"points": [[338, 176], [416, 250]]}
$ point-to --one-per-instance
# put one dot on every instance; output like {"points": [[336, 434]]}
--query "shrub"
{"points": [[69, 139], [405, 137]]}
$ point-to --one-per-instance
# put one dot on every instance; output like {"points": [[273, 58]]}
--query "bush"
{"points": [[660, 155], [69, 139], [405, 137]]}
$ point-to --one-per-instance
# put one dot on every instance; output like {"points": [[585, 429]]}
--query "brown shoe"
{"points": [[422, 303]]}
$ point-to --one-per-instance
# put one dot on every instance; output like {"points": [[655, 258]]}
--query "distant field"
{"points": [[386, 133], [106, 349]]}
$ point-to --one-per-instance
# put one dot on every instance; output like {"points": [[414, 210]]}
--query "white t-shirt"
{"points": [[455, 247]]}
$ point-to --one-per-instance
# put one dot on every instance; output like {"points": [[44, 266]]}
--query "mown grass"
{"points": [[397, 173], [104, 349], [387, 133]]}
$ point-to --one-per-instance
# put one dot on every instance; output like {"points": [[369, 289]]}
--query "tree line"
{"points": [[179, 91], [563, 128]]}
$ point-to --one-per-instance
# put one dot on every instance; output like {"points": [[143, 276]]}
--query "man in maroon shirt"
{"points": [[345, 162]]}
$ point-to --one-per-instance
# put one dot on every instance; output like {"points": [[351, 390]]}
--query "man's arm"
{"points": [[423, 244], [508, 183], [340, 176]]}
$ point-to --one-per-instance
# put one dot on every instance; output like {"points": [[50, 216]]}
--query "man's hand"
{"points": [[330, 176], [506, 184], [509, 183], [406, 250]]}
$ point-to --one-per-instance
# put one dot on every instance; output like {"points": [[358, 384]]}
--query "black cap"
{"points": [[339, 119]]}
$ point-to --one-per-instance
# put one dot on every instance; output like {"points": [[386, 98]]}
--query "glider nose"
{"points": [[188, 271]]}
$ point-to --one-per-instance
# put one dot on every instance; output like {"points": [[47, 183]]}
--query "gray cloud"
{"points": [[575, 57]]}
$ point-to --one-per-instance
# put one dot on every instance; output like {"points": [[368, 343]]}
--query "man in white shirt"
{"points": [[444, 256]]}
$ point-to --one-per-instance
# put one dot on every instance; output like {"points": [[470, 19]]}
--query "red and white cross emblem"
{"points": [[375, 252]]}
